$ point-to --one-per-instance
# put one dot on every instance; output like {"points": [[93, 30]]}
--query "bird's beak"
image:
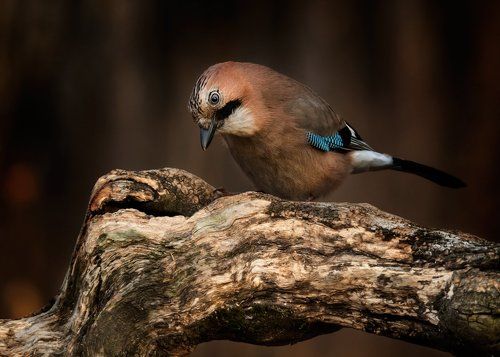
{"points": [[206, 135]]}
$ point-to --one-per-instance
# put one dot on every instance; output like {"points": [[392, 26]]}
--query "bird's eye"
{"points": [[214, 98]]}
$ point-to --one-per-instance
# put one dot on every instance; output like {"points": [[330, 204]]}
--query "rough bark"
{"points": [[164, 262]]}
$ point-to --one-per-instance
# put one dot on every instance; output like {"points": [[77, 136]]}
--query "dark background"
{"points": [[88, 86]]}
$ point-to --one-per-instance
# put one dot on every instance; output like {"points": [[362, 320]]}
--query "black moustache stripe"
{"points": [[228, 109]]}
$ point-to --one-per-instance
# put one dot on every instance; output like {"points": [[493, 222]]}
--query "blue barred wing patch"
{"points": [[335, 141], [325, 143], [317, 141]]}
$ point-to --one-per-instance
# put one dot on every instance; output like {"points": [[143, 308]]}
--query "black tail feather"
{"points": [[430, 173]]}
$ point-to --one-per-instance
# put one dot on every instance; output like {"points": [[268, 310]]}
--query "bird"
{"points": [[285, 137]]}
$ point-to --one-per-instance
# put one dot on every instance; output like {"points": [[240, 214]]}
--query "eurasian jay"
{"points": [[286, 138]]}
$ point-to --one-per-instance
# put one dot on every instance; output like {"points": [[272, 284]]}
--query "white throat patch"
{"points": [[240, 123]]}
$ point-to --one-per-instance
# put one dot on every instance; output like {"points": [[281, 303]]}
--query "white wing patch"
{"points": [[240, 123], [353, 133], [365, 160]]}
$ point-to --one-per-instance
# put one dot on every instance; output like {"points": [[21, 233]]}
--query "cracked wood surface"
{"points": [[164, 262]]}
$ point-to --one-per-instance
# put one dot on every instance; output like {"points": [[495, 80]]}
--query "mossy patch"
{"points": [[121, 239]]}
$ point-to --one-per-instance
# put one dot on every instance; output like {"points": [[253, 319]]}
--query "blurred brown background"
{"points": [[88, 86]]}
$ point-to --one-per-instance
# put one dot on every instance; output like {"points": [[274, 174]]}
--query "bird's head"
{"points": [[221, 102]]}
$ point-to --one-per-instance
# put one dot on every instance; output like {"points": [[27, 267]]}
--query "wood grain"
{"points": [[165, 262]]}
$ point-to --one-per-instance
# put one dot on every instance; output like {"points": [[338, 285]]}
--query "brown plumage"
{"points": [[264, 118]]}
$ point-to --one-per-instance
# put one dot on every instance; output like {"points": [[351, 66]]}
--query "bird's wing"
{"points": [[346, 139], [311, 113], [325, 129]]}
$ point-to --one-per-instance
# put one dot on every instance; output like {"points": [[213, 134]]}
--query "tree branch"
{"points": [[163, 263]]}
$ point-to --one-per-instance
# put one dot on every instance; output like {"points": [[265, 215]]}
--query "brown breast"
{"points": [[288, 167]]}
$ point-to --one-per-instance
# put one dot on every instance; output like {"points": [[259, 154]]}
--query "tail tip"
{"points": [[437, 176], [456, 183]]}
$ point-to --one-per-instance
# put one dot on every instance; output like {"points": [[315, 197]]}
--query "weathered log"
{"points": [[164, 262]]}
